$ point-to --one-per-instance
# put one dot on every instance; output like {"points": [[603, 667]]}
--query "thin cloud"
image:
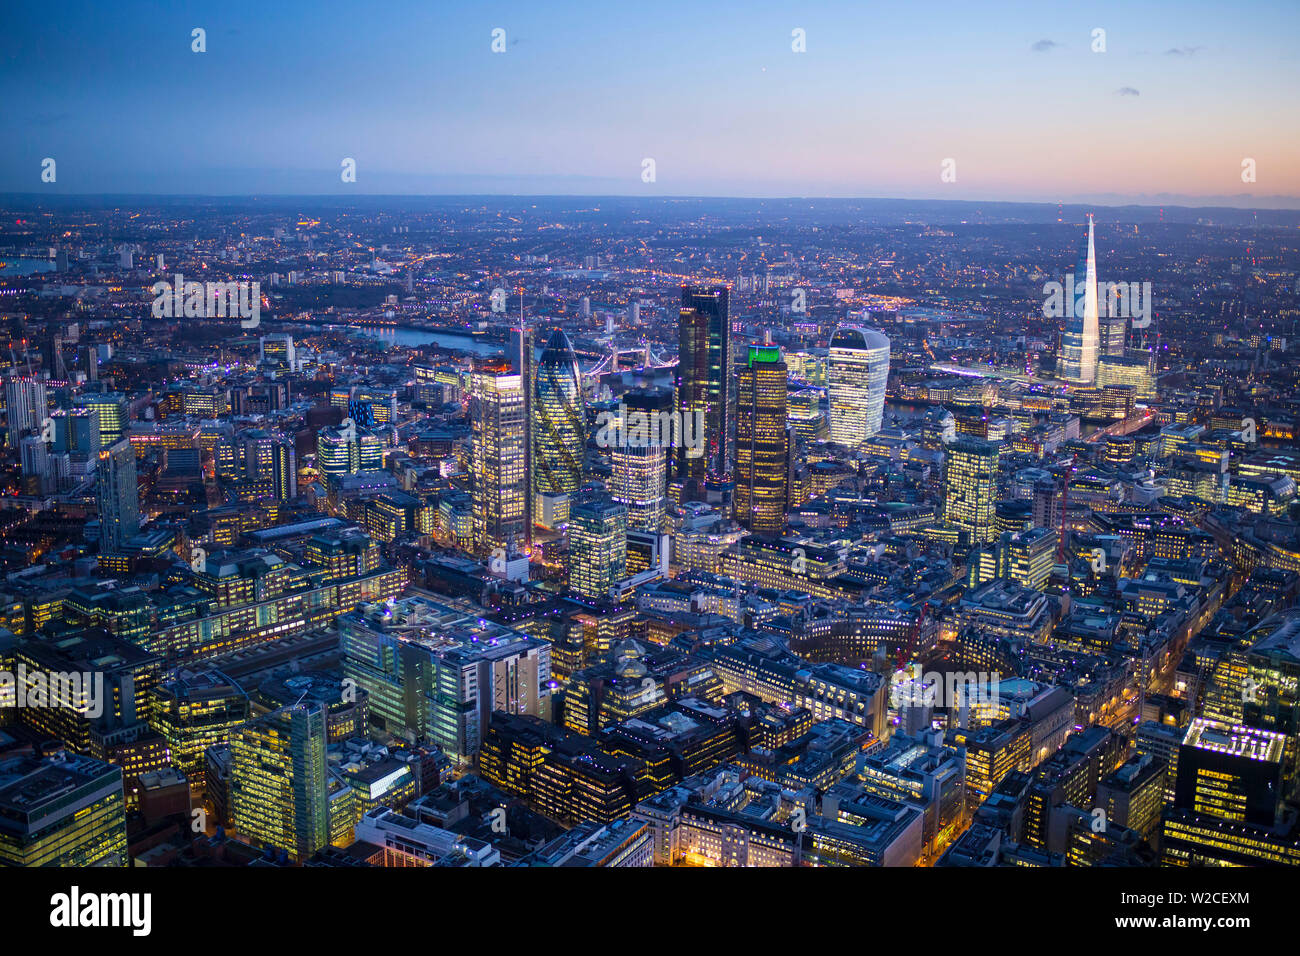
{"points": [[1045, 46], [1183, 50], [1127, 91]]}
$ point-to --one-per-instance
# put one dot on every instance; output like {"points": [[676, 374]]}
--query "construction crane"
{"points": [[1065, 505]]}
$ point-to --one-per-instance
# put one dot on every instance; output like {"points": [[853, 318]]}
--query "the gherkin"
{"points": [[559, 420]]}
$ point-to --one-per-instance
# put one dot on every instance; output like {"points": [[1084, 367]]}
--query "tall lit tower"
{"points": [[761, 406], [597, 545], [25, 404], [1081, 339], [559, 421], [117, 496], [857, 373], [499, 465], [705, 389], [638, 478], [970, 488]]}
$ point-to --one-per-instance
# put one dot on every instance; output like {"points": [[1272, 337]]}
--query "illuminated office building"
{"points": [[705, 388], [1133, 367], [1228, 808], [197, 710], [639, 468], [1027, 557], [597, 545], [277, 349], [279, 781], [760, 495], [61, 810], [1081, 338], [970, 485], [857, 373], [436, 672], [559, 427], [499, 461], [111, 408], [117, 496], [270, 462], [340, 452], [805, 413]]}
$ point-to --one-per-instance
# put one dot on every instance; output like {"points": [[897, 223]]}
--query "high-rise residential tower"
{"points": [[1081, 338], [857, 373], [761, 407], [117, 496], [559, 425], [25, 405], [499, 459], [705, 389]]}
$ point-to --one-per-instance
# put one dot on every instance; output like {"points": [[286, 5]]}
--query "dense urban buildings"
{"points": [[797, 537]]}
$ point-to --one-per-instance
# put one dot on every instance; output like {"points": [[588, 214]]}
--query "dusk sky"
{"points": [[711, 91]]}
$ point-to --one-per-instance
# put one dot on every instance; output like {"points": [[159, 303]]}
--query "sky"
{"points": [[713, 92]]}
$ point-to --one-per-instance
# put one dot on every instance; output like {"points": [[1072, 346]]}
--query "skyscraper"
{"points": [[597, 545], [639, 469], [559, 431], [499, 464], [761, 406], [1080, 340], [857, 373], [970, 485], [25, 404], [279, 789], [117, 495], [704, 383]]}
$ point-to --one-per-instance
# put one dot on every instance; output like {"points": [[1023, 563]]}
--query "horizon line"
{"points": [[1178, 202]]}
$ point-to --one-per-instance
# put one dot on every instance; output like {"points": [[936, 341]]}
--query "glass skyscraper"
{"points": [[1081, 339], [499, 463], [858, 371], [761, 406], [559, 420], [638, 479], [705, 384], [597, 545]]}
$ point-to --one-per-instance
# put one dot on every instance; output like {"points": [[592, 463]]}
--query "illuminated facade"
{"points": [[499, 466], [970, 485], [61, 810], [597, 545], [559, 431], [1081, 339], [705, 383], [279, 791], [858, 371], [346, 453], [640, 469], [761, 494]]}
